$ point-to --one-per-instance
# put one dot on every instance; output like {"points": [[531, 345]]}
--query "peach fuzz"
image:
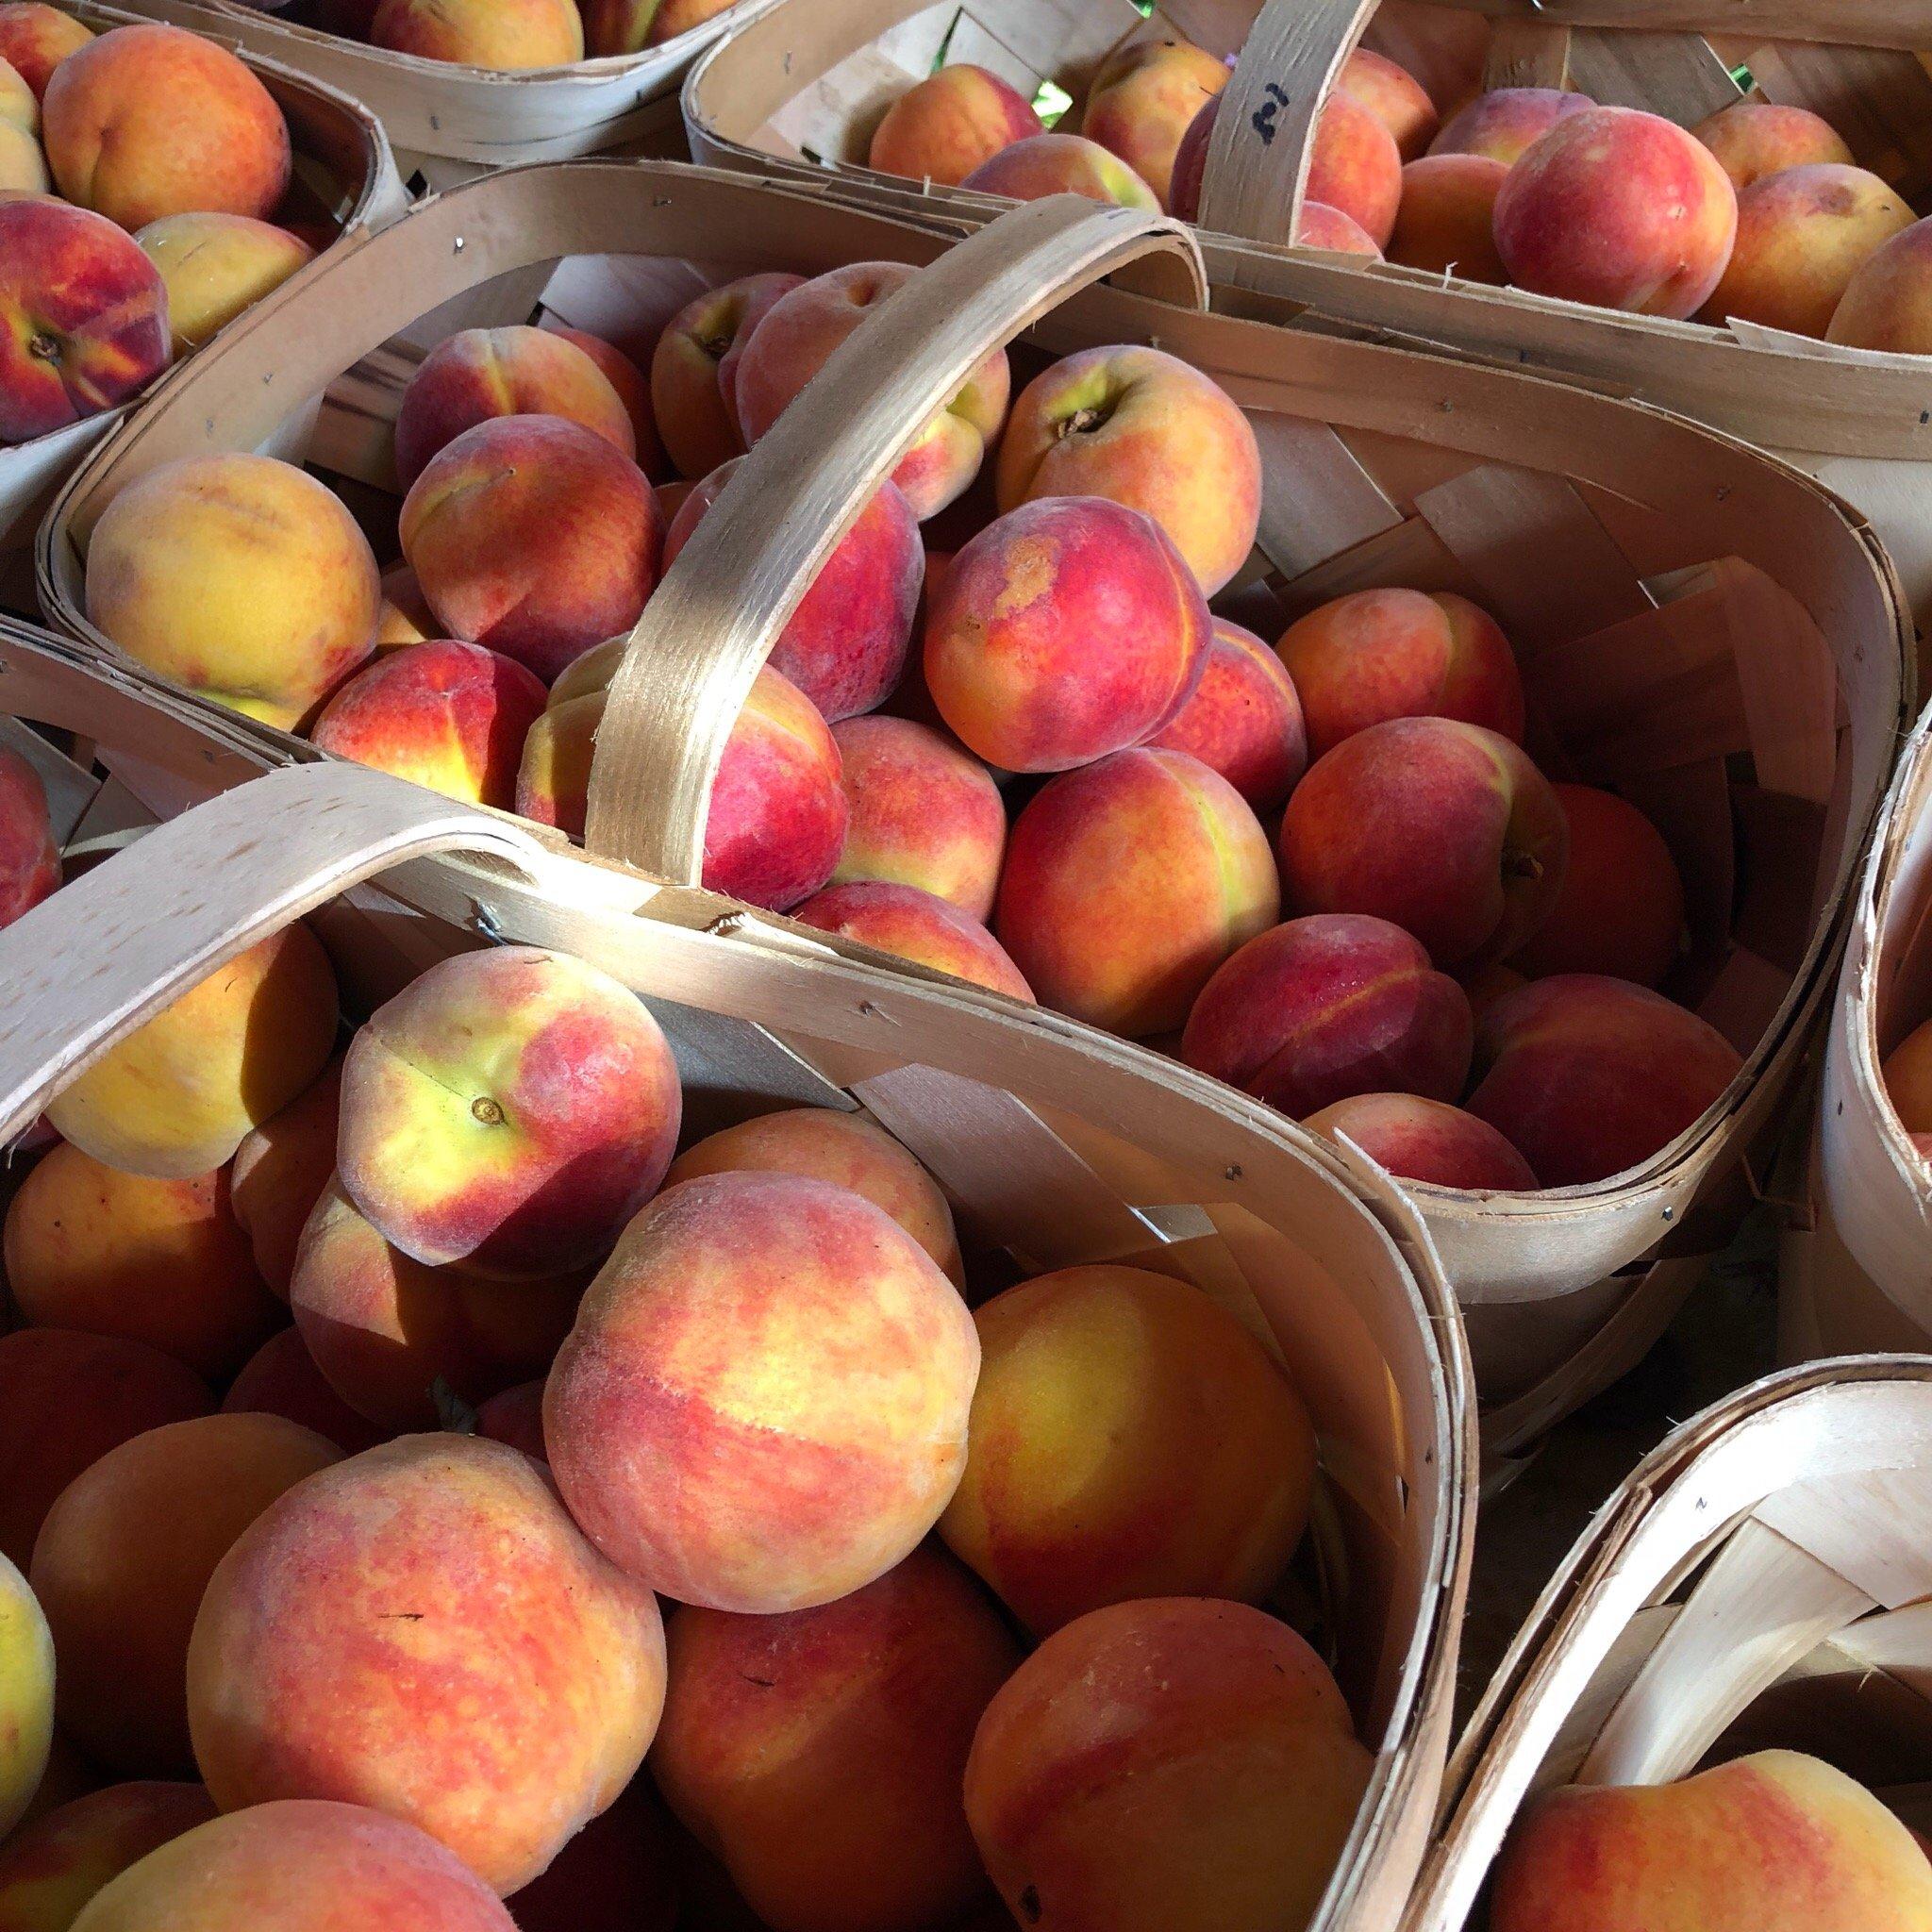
{"points": [[36, 37], [844, 1150], [1144, 98], [821, 1754], [796, 337], [844, 646], [1127, 883], [1356, 166], [151, 120], [51, 1868], [633, 389], [1907, 1075], [1129, 1439], [404, 616], [1770, 1840], [1447, 220], [1150, 432], [1328, 1007], [945, 125], [1619, 209], [1396, 98], [1136, 1772], [280, 1378], [176, 1098], [915, 925], [763, 1404], [1755, 139], [29, 860], [215, 266], [1445, 828], [617, 1875], [1420, 1140], [1621, 907], [423, 1629], [478, 374], [239, 576], [1045, 165], [504, 35], [1587, 1076], [447, 716], [26, 1695], [83, 317], [1506, 122], [1243, 720], [1375, 655], [161, 1262], [920, 812], [507, 1111], [1888, 303], [123, 1558], [691, 399], [533, 537], [281, 1170], [66, 1399], [325, 1867]]}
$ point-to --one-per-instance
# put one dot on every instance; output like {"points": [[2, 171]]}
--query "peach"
{"points": [[1127, 883], [1803, 233], [239, 576], [617, 1875], [763, 1405], [66, 1399], [1317, 226], [1420, 1140], [281, 1170], [533, 537], [280, 1378], [1619, 209], [1486, 985], [23, 167], [50, 1869], [1356, 166], [1327, 1006], [317, 1866], [694, 404], [151, 120], [1396, 98], [83, 317], [633, 389], [1888, 303], [215, 266], [915, 925], [29, 858], [1148, 431], [1768, 1840], [1138, 1769], [920, 812], [448, 715], [1069, 629], [1046, 164], [505, 35], [845, 1149], [423, 1631], [19, 107], [1143, 101], [1442, 827], [821, 1752], [26, 1695], [1244, 719], [68, 1776], [1621, 907], [1129, 1439], [1755, 139], [1446, 223], [797, 335], [1587, 1076], [176, 1098], [123, 1558], [1506, 122], [36, 37], [478, 374], [942, 127], [161, 1262], [404, 616], [507, 1112], [1907, 1075], [628, 26], [844, 646], [1375, 655], [515, 1416]]}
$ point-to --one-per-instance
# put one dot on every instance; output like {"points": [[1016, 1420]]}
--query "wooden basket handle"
{"points": [[712, 624]]}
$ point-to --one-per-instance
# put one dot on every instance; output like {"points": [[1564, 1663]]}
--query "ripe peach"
{"points": [[821, 1752], [215, 266], [1907, 1075], [507, 1112], [1356, 166], [51, 1868], [1619, 209], [83, 317], [1147, 431], [1244, 719], [1422, 1140], [281, 1170], [844, 646], [1127, 883], [1045, 165], [617, 1875], [1069, 629], [1587, 1076], [1143, 99], [1328, 1007], [694, 404], [448, 715], [1888, 301], [68, 1776], [633, 389], [19, 107], [151, 120], [1486, 985], [798, 333], [534, 537], [1138, 1769], [763, 1404], [26, 1695], [1446, 223], [36, 37], [1129, 1439], [506, 35], [1445, 828], [1374, 654], [941, 128], [915, 925], [423, 1629], [31, 860], [515, 1416], [280, 1378], [23, 167], [1506, 122], [1328, 229], [404, 617], [1396, 98], [239, 576], [1755, 139]]}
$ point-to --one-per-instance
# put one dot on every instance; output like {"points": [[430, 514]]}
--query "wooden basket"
{"points": [[1053, 1142], [343, 168], [1759, 1581], [1698, 623]]}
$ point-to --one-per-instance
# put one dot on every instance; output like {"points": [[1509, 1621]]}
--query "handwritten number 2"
{"points": [[1268, 112]]}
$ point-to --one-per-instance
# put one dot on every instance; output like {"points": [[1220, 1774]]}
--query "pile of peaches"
{"points": [[1758, 214], [508, 36]]}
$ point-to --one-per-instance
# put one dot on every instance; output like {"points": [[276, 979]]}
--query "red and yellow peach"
{"points": [[1144, 98], [916, 926], [945, 125], [1756, 138], [1046, 164], [29, 858], [1244, 719], [504, 35], [1888, 303], [633, 389], [281, 1170], [26, 1695], [1420, 1140], [1396, 98], [35, 38], [1446, 223], [695, 370], [1355, 166], [280, 1378], [628, 26], [215, 266], [1507, 122], [51, 1868]]}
